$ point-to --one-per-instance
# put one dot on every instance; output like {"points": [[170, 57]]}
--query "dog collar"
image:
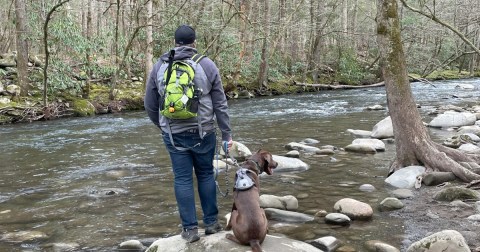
{"points": [[243, 182]]}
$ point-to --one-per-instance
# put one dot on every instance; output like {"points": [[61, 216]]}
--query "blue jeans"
{"points": [[199, 156]]}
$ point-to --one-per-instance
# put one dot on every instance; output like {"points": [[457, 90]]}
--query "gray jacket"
{"points": [[213, 103]]}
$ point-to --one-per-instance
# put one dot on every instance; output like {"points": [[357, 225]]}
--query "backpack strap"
{"points": [[197, 57]]}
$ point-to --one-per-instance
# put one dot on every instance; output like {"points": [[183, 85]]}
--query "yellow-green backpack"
{"points": [[181, 97]]}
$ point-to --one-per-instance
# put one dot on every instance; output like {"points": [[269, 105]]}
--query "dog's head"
{"points": [[265, 161]]}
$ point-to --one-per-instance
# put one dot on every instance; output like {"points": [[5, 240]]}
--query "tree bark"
{"points": [[413, 143], [263, 73], [149, 51], [22, 47]]}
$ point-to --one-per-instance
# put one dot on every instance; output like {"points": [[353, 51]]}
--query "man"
{"points": [[191, 142]]}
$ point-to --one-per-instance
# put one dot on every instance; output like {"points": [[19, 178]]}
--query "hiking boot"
{"points": [[190, 235], [212, 229]]}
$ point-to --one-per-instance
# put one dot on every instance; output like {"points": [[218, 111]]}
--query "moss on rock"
{"points": [[82, 107]]}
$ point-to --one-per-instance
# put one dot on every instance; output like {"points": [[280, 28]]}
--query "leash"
{"points": [[227, 180]]}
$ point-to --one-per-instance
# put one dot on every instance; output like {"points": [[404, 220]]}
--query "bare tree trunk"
{"points": [[22, 47], [413, 143], [263, 73], [243, 27], [47, 52], [116, 53], [89, 26], [149, 51]]}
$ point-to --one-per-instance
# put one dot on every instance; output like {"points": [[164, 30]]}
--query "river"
{"points": [[99, 181]]}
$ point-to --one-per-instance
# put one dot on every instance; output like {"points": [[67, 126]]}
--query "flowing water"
{"points": [[102, 180]]}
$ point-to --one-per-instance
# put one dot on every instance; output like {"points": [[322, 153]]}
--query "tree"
{"points": [[22, 46], [413, 143], [47, 52], [263, 73]]}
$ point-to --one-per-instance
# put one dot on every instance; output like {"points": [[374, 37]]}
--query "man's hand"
{"points": [[227, 145]]}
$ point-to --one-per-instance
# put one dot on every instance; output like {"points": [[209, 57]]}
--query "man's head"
{"points": [[185, 36]]}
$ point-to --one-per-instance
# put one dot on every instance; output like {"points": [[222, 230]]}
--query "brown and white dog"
{"points": [[248, 220]]}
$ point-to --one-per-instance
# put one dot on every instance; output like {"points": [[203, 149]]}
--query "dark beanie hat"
{"points": [[184, 35]]}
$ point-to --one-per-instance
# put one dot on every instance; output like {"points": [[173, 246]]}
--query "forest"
{"points": [[94, 55]]}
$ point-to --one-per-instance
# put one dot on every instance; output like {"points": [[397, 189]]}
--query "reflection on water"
{"points": [[103, 180]]}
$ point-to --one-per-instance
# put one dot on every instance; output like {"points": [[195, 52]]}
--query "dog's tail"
{"points": [[255, 245]]}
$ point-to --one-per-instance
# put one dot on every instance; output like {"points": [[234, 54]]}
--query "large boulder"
{"points": [[218, 243], [445, 241], [405, 177], [383, 129], [453, 119], [287, 164]]}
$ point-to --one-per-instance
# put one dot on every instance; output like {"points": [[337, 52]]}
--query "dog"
{"points": [[248, 220]]}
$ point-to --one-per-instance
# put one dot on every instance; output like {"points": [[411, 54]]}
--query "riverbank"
{"points": [[129, 97]]}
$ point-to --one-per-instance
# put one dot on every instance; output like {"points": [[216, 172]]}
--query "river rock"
{"points": [[383, 129], [379, 246], [446, 241], [337, 219], [326, 151], [359, 148], [310, 141], [376, 107], [360, 133], [367, 188], [287, 202], [389, 204], [470, 137], [402, 193], [131, 246], [293, 154], [62, 246], [218, 243], [453, 119], [301, 147], [354, 209], [405, 177], [287, 164], [378, 145], [326, 243], [474, 129], [470, 148], [456, 193], [475, 217], [287, 216]]}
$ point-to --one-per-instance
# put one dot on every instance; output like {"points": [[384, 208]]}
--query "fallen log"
{"points": [[332, 87]]}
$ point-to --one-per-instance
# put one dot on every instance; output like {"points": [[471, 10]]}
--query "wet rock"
{"points": [[383, 129], [375, 143], [287, 202], [402, 193], [131, 246], [310, 141], [293, 154], [360, 148], [337, 219], [446, 240], [453, 119], [389, 204], [287, 216], [379, 246], [327, 243], [367, 188], [470, 148], [301, 147], [289, 164], [354, 209], [475, 217], [360, 133], [325, 152], [376, 107], [405, 177], [218, 243], [456, 193], [61, 247]]}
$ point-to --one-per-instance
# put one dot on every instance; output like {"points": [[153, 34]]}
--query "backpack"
{"points": [[181, 98]]}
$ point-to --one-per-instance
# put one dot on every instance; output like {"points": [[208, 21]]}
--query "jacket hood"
{"points": [[181, 52]]}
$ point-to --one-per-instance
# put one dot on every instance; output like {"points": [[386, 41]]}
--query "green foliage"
{"points": [[349, 70]]}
